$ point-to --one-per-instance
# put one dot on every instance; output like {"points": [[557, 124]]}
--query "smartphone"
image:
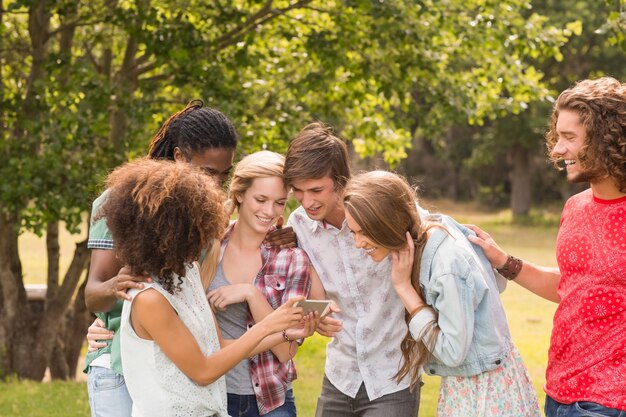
{"points": [[321, 306]]}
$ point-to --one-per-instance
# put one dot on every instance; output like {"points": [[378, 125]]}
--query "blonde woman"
{"points": [[457, 326], [252, 279]]}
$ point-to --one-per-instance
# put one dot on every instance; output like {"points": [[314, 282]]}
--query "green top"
{"points": [[100, 238]]}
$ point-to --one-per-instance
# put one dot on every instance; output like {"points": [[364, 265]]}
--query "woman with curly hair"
{"points": [[197, 135], [162, 214], [243, 293], [457, 325], [587, 355]]}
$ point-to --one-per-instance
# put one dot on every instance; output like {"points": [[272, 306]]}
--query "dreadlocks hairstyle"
{"points": [[383, 205], [193, 129], [161, 214], [601, 107], [316, 152]]}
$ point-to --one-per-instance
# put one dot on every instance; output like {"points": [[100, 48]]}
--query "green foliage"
{"points": [[377, 71], [615, 25], [589, 53]]}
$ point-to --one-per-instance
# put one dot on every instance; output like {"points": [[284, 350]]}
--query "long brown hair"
{"points": [[384, 205]]}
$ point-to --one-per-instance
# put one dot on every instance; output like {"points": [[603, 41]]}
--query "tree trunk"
{"points": [[53, 250], [520, 182], [12, 289], [69, 343], [43, 339]]}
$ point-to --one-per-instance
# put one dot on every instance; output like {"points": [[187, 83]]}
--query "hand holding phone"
{"points": [[309, 306]]}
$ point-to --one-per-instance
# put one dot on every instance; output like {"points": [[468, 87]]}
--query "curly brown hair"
{"points": [[161, 215], [601, 106]]}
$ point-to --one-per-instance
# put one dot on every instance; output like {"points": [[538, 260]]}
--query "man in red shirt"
{"points": [[586, 373]]}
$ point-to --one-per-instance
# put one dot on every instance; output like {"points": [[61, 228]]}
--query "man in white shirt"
{"points": [[364, 356]]}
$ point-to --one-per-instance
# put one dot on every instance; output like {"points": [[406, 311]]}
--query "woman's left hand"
{"points": [[222, 297], [309, 324], [402, 263]]}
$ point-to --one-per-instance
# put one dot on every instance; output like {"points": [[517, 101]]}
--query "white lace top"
{"points": [[156, 385]]}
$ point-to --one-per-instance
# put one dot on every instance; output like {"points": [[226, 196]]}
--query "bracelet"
{"points": [[511, 268], [287, 339]]}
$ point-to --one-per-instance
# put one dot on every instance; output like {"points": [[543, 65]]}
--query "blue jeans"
{"points": [[580, 409], [108, 396], [246, 406]]}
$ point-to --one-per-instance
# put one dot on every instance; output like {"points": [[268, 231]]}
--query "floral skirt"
{"points": [[507, 391]]}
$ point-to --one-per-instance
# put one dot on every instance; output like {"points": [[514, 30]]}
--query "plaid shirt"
{"points": [[284, 275]]}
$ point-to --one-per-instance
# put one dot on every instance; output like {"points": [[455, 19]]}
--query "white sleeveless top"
{"points": [[156, 385]]}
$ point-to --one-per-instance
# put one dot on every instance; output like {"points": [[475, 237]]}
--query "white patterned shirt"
{"points": [[367, 349]]}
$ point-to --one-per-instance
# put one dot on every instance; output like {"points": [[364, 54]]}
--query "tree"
{"points": [[83, 84], [518, 139]]}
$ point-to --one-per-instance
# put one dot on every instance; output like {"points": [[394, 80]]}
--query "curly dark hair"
{"points": [[161, 214], [601, 106]]}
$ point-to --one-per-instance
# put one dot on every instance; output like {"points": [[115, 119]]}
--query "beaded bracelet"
{"points": [[511, 268]]}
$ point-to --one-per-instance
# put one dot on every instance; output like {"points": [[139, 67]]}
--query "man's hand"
{"points": [[329, 326], [283, 237], [124, 280], [494, 253], [97, 335]]}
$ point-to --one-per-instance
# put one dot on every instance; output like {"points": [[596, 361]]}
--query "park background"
{"points": [[454, 94]]}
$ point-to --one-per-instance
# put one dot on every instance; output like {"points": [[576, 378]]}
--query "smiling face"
{"points": [[320, 199], [571, 139], [362, 241], [262, 204]]}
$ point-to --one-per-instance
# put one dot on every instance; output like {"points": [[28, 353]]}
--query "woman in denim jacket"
{"points": [[457, 326]]}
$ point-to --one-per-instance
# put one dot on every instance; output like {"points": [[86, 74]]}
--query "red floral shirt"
{"points": [[587, 356], [285, 274]]}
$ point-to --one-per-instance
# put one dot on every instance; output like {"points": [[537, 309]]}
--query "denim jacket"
{"points": [[460, 285]]}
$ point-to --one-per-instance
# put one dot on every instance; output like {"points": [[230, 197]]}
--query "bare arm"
{"points": [[259, 308], [304, 330], [153, 318], [317, 289], [108, 281], [540, 280]]}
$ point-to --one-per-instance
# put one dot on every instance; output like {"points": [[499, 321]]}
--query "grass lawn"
{"points": [[530, 320]]}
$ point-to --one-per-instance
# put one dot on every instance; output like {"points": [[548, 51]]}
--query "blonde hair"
{"points": [[260, 164], [384, 205]]}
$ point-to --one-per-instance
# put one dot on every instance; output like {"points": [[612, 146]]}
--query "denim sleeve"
{"points": [[454, 302]]}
